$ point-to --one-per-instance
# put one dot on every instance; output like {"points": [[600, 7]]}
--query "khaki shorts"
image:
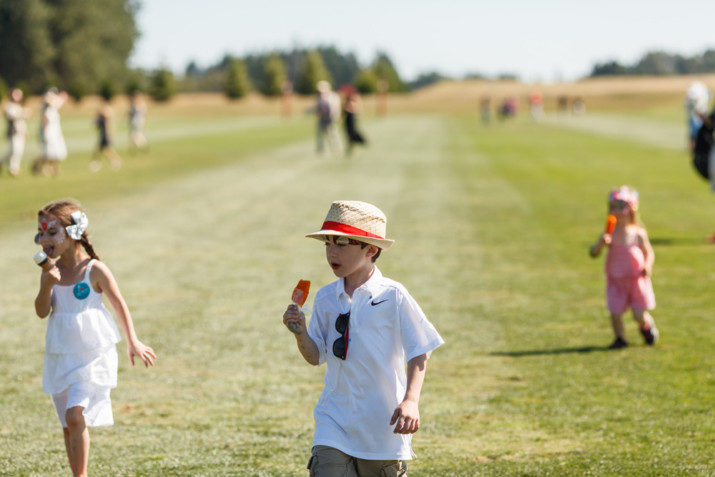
{"points": [[330, 462]]}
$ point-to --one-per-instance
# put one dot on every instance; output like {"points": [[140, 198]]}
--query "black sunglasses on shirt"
{"points": [[340, 345]]}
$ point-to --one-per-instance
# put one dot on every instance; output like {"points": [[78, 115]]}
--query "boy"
{"points": [[366, 328]]}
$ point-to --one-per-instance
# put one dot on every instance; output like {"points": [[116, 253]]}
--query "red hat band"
{"points": [[348, 229]]}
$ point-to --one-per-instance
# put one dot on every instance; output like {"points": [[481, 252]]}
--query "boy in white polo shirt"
{"points": [[368, 329]]}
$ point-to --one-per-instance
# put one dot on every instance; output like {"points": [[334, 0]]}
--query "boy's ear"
{"points": [[371, 250]]}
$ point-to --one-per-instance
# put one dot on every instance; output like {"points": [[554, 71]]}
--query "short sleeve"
{"points": [[419, 336], [316, 332]]}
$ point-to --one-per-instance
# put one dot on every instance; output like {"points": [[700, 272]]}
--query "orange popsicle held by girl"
{"points": [[610, 223]]}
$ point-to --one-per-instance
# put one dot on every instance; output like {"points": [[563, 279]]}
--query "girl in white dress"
{"points": [[54, 149], [80, 353]]}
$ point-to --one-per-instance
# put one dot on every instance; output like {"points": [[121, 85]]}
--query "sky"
{"points": [[540, 41]]}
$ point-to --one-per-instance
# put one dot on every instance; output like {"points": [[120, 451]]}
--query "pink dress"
{"points": [[626, 284]]}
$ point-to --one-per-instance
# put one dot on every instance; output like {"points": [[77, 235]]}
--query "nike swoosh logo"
{"points": [[375, 303]]}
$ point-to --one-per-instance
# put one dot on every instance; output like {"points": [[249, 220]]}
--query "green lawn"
{"points": [[205, 235]]}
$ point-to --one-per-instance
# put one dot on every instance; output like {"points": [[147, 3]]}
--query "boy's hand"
{"points": [[294, 319], [407, 418]]}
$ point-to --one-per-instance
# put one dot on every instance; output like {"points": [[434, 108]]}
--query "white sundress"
{"points": [[80, 352], [55, 148]]}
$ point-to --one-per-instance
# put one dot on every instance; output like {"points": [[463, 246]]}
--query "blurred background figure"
{"points": [[328, 110], [579, 106], [104, 147], [137, 120], [507, 109], [536, 105], [287, 99], [54, 149], [382, 87], [700, 138], [15, 115], [562, 105], [485, 109], [697, 99], [351, 108]]}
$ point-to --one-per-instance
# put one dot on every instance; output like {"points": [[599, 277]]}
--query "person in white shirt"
{"points": [[327, 108], [375, 341], [16, 132]]}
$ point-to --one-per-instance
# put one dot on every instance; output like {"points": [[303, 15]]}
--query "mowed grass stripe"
{"points": [[193, 148], [82, 137], [658, 133]]}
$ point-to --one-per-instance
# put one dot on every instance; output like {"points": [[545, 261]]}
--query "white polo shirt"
{"points": [[387, 329]]}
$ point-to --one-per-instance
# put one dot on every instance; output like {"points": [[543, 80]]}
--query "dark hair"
{"points": [[62, 209], [374, 257]]}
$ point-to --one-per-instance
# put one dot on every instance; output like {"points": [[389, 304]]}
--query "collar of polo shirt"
{"points": [[371, 285]]}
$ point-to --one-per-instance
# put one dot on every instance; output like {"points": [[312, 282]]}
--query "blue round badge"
{"points": [[81, 291]]}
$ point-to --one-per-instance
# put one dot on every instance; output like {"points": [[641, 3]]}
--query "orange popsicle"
{"points": [[300, 294], [610, 223]]}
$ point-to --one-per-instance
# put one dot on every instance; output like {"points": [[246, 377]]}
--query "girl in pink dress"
{"points": [[628, 267]]}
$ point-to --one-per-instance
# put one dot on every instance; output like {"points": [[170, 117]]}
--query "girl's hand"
{"points": [[51, 276], [145, 353], [606, 238], [294, 319], [646, 271]]}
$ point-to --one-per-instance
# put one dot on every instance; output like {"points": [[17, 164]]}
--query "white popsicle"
{"points": [[41, 259]]}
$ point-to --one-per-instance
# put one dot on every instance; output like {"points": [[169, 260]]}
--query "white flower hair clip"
{"points": [[80, 223]]}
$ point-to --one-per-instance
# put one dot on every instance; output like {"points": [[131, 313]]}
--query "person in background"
{"points": [[485, 109], [104, 146], [15, 115], [536, 105], [700, 125], [579, 106], [328, 110], [287, 99], [137, 121], [54, 149], [351, 107]]}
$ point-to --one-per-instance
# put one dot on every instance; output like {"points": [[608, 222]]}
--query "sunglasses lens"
{"points": [[341, 324], [339, 348]]}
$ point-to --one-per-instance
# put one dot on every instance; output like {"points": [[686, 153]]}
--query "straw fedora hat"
{"points": [[356, 220]]}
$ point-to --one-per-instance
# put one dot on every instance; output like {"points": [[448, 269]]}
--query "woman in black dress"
{"points": [[351, 108], [104, 148]]}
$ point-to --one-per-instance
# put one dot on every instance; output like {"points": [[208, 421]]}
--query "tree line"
{"points": [[659, 63], [269, 72], [78, 45], [82, 46]]}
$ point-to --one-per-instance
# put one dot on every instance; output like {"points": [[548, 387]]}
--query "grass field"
{"points": [[205, 236]]}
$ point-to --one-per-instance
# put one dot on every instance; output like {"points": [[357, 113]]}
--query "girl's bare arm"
{"points": [[102, 277], [647, 249]]}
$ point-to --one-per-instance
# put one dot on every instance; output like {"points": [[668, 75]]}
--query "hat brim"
{"points": [[384, 244]]}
